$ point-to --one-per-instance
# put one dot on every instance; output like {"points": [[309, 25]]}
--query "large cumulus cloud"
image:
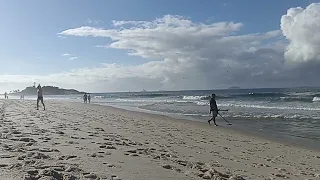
{"points": [[302, 28]]}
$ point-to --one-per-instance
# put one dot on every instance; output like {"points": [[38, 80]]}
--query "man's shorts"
{"points": [[40, 99], [214, 113]]}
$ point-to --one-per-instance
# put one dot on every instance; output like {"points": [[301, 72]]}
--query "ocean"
{"points": [[292, 114]]}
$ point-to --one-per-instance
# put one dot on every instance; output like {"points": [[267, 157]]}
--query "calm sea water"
{"points": [[293, 114]]}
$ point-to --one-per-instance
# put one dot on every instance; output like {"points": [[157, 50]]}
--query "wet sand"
{"points": [[82, 141]]}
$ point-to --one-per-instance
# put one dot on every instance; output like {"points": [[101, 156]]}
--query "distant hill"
{"points": [[48, 90]]}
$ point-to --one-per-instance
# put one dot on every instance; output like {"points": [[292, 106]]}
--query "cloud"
{"points": [[61, 37], [90, 21], [205, 55], [101, 46], [301, 27], [182, 54], [66, 54], [73, 58]]}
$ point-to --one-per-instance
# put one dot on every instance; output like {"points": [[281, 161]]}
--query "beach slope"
{"points": [[82, 141]]}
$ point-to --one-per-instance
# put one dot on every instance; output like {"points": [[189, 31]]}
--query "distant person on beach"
{"points": [[89, 98], [213, 109], [85, 97], [5, 95], [40, 97]]}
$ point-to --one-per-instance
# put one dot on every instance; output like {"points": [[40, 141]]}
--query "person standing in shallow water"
{"points": [[213, 109], [40, 97], [85, 97], [89, 98]]}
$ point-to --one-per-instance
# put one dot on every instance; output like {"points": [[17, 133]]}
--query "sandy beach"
{"points": [[81, 141]]}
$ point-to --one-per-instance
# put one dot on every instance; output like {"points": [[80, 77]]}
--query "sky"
{"points": [[121, 45]]}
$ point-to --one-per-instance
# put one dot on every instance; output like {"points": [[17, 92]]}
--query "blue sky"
{"points": [[29, 29]]}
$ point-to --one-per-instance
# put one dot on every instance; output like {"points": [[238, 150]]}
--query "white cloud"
{"points": [[302, 28], [101, 46], [88, 31], [66, 54], [194, 51], [61, 37], [90, 21], [183, 54], [73, 58]]}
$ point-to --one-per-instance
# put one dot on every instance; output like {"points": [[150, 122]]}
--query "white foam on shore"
{"points": [[268, 107], [195, 97], [316, 99]]}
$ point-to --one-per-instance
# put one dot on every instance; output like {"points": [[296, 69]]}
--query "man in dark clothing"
{"points": [[40, 97], [85, 98], [214, 109]]}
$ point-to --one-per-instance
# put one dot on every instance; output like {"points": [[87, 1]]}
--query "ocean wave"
{"points": [[271, 116], [154, 100], [296, 98], [142, 100], [257, 117], [301, 99], [99, 97], [202, 115], [196, 97], [152, 95], [302, 94], [263, 94], [202, 103], [316, 99], [239, 95], [268, 107]]}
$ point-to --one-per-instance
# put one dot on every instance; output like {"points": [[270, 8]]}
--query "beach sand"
{"points": [[82, 141]]}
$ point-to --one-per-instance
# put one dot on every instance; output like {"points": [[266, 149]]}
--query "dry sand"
{"points": [[82, 141]]}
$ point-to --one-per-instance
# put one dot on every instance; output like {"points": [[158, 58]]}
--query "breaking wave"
{"points": [[196, 97], [316, 99]]}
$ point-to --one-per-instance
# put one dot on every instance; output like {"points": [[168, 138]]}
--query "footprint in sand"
{"points": [[72, 142], [67, 157], [109, 165], [96, 155], [114, 177], [48, 174]]}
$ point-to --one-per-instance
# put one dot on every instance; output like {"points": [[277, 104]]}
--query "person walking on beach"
{"points": [[40, 97], [213, 109], [89, 98], [85, 97], [5, 95]]}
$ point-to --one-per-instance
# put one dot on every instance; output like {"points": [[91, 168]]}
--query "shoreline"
{"points": [[181, 118]]}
